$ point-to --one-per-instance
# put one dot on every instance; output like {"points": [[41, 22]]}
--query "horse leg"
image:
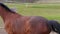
{"points": [[8, 29], [46, 33]]}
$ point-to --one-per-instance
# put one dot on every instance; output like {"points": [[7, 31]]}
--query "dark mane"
{"points": [[3, 5]]}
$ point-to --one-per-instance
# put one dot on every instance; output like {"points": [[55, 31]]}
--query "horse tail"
{"points": [[54, 25]]}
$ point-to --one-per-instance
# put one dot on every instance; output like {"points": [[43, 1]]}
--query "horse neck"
{"points": [[7, 14], [4, 14]]}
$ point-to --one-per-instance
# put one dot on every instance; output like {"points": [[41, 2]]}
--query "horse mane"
{"points": [[4, 6]]}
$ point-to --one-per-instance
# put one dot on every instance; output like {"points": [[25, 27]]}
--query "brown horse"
{"points": [[18, 24]]}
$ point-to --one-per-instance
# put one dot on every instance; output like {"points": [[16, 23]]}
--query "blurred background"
{"points": [[31, 1], [49, 9]]}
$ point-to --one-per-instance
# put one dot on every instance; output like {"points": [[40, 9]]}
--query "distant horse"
{"points": [[54, 25], [18, 24]]}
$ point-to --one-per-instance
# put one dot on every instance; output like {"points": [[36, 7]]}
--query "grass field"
{"points": [[49, 11]]}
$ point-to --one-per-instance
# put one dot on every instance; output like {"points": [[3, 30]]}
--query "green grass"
{"points": [[49, 11]]}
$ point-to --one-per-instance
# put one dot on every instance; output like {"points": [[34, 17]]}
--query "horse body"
{"points": [[18, 24], [27, 25]]}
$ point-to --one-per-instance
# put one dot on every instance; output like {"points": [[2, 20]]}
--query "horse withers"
{"points": [[18, 24]]}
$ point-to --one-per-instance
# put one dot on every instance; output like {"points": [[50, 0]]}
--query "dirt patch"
{"points": [[53, 32], [2, 31]]}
